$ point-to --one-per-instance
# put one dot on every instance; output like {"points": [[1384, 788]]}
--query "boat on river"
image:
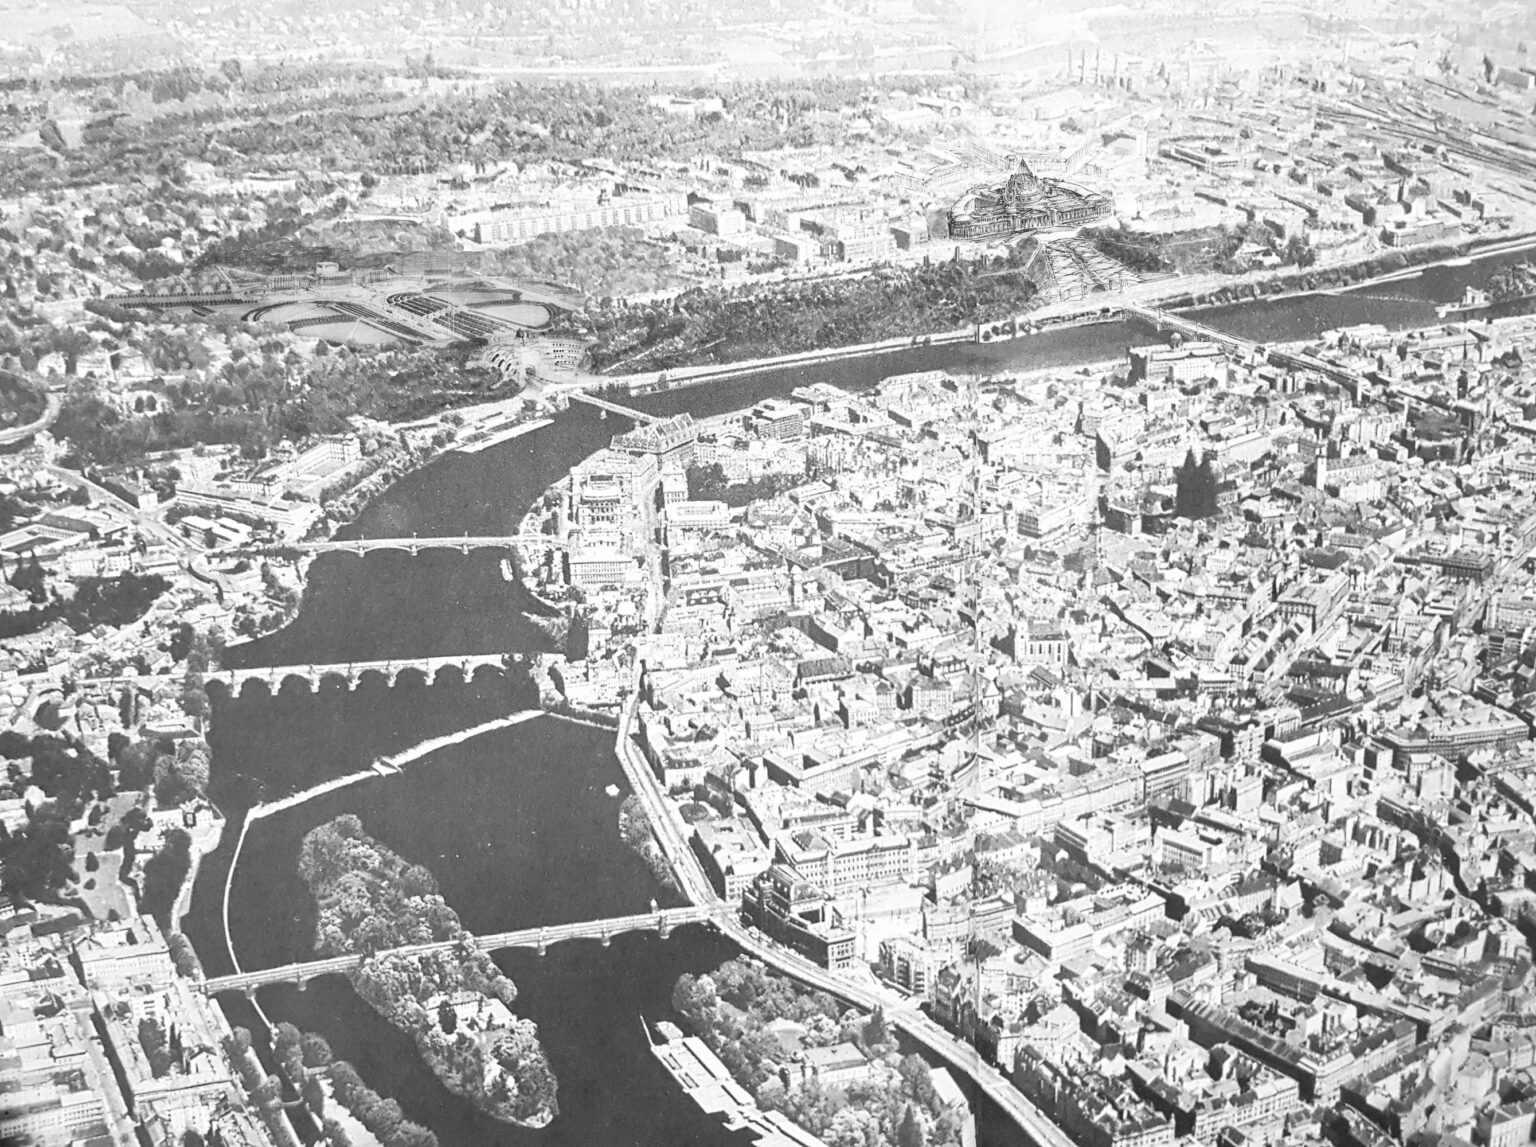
{"points": [[1472, 300], [1516, 285]]}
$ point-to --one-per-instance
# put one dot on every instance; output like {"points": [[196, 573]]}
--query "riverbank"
{"points": [[1284, 283], [636, 830], [345, 507], [1314, 281], [475, 443], [278, 618], [205, 839], [682, 377]]}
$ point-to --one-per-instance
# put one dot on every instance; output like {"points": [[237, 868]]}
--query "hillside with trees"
{"points": [[760, 320], [330, 119], [21, 401], [1194, 252], [370, 900], [265, 396], [111, 601], [603, 262]]}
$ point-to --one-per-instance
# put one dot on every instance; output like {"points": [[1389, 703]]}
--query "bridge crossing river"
{"points": [[1297, 360], [415, 545], [639, 416], [661, 922], [352, 671]]}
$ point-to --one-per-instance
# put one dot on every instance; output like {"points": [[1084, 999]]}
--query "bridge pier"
{"points": [[303, 983], [543, 945], [607, 938]]}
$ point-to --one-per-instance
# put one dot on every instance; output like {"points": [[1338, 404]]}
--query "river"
{"points": [[517, 825]]}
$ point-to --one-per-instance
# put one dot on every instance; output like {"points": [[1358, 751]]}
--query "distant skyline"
{"points": [[788, 35]]}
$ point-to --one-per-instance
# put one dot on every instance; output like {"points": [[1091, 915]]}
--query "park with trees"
{"points": [[709, 483], [897, 1105], [88, 601], [305, 1061], [37, 857]]}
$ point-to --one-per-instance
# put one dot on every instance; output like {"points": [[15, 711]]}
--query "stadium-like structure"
{"points": [[389, 308], [1025, 203]]}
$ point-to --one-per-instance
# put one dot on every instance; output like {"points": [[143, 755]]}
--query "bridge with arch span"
{"points": [[414, 545], [352, 671], [660, 922]]}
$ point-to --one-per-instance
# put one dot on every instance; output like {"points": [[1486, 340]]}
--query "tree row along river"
{"points": [[517, 825]]}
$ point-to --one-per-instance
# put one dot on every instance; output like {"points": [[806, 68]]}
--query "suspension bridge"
{"points": [[638, 416]]}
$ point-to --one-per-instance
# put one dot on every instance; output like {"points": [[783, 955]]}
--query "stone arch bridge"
{"points": [[352, 672]]}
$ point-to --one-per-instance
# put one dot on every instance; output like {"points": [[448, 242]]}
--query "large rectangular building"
{"points": [[515, 224], [1186, 363], [779, 420], [839, 866], [673, 441], [613, 498], [793, 912]]}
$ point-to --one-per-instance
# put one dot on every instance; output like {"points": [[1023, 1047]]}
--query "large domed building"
{"points": [[1025, 203]]}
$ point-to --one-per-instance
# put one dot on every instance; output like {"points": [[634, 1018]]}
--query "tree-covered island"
{"points": [[455, 1004]]}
